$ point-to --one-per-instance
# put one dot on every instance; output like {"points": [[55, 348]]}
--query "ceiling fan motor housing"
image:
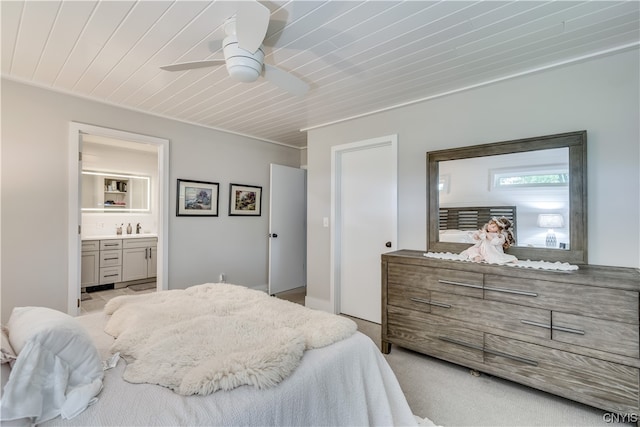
{"points": [[242, 65]]}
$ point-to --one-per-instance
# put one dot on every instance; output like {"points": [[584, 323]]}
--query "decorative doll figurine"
{"points": [[494, 237]]}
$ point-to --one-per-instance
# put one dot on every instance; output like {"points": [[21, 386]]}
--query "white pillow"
{"points": [[58, 369]]}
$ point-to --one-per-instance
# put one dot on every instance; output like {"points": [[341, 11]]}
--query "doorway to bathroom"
{"points": [[118, 184]]}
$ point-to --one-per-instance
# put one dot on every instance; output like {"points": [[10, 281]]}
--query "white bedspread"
{"points": [[348, 383]]}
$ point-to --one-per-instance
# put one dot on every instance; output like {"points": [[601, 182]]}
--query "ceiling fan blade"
{"points": [[252, 20], [192, 65], [284, 80]]}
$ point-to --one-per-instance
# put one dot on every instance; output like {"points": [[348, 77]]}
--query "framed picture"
{"points": [[245, 200], [197, 198]]}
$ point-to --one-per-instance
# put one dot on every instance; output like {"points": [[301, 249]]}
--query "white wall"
{"points": [[600, 96], [34, 199]]}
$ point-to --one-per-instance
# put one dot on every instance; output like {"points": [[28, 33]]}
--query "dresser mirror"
{"points": [[104, 192], [540, 182]]}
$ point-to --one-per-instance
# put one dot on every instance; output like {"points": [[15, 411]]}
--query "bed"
{"points": [[456, 224], [347, 382]]}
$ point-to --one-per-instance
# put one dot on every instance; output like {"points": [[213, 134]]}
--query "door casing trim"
{"points": [[76, 129], [335, 221]]}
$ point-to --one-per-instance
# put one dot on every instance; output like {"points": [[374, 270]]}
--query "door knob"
{"points": [[388, 244], [274, 235]]}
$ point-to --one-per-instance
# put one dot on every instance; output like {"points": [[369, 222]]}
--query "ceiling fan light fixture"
{"points": [[243, 73], [242, 65]]}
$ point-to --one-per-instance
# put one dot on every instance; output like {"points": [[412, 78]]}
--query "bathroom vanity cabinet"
{"points": [[571, 333], [139, 259], [118, 261]]}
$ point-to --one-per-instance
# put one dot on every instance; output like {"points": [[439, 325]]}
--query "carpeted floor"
{"points": [[449, 395]]}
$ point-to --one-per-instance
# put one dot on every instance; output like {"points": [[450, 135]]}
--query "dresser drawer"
{"points": [[436, 279], [588, 380], [110, 244], [433, 335], [603, 303], [110, 258], [605, 335], [408, 297], [110, 275], [492, 314]]}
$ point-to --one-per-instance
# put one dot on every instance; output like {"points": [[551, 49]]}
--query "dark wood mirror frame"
{"points": [[576, 142]]}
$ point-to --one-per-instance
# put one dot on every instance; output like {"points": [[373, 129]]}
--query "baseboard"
{"points": [[263, 288]]}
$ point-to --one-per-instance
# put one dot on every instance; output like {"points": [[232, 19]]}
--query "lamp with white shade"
{"points": [[551, 221]]}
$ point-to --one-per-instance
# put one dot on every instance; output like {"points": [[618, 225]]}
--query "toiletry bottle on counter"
{"points": [[118, 229], [129, 228]]}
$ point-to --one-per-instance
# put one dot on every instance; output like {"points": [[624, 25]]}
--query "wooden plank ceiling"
{"points": [[357, 56]]}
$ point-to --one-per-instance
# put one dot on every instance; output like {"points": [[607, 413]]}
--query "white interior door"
{"points": [[287, 229], [366, 214]]}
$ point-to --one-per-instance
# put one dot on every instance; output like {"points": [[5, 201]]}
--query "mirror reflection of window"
{"points": [[535, 181], [533, 176]]}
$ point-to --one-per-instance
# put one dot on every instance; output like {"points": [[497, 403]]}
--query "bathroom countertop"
{"points": [[119, 236]]}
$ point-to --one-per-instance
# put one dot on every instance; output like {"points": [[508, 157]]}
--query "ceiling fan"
{"points": [[243, 53]]}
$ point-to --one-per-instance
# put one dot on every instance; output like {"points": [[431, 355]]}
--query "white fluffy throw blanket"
{"points": [[216, 337]]}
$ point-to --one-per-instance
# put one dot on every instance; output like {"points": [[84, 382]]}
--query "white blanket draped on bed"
{"points": [[348, 383]]}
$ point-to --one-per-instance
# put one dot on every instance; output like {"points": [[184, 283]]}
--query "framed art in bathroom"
{"points": [[197, 198], [245, 200]]}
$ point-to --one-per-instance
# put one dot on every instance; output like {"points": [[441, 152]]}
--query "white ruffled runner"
{"points": [[541, 265]]}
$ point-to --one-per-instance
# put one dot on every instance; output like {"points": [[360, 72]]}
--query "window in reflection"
{"points": [[537, 176]]}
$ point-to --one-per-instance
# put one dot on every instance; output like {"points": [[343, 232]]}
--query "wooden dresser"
{"points": [[570, 333]]}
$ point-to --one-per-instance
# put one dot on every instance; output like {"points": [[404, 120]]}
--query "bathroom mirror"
{"points": [[105, 192], [542, 179]]}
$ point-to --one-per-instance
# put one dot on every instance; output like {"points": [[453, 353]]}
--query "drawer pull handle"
{"points": [[540, 325], [555, 328], [511, 291], [565, 329], [110, 275], [466, 285], [512, 357], [461, 343], [424, 301], [112, 244], [107, 259]]}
